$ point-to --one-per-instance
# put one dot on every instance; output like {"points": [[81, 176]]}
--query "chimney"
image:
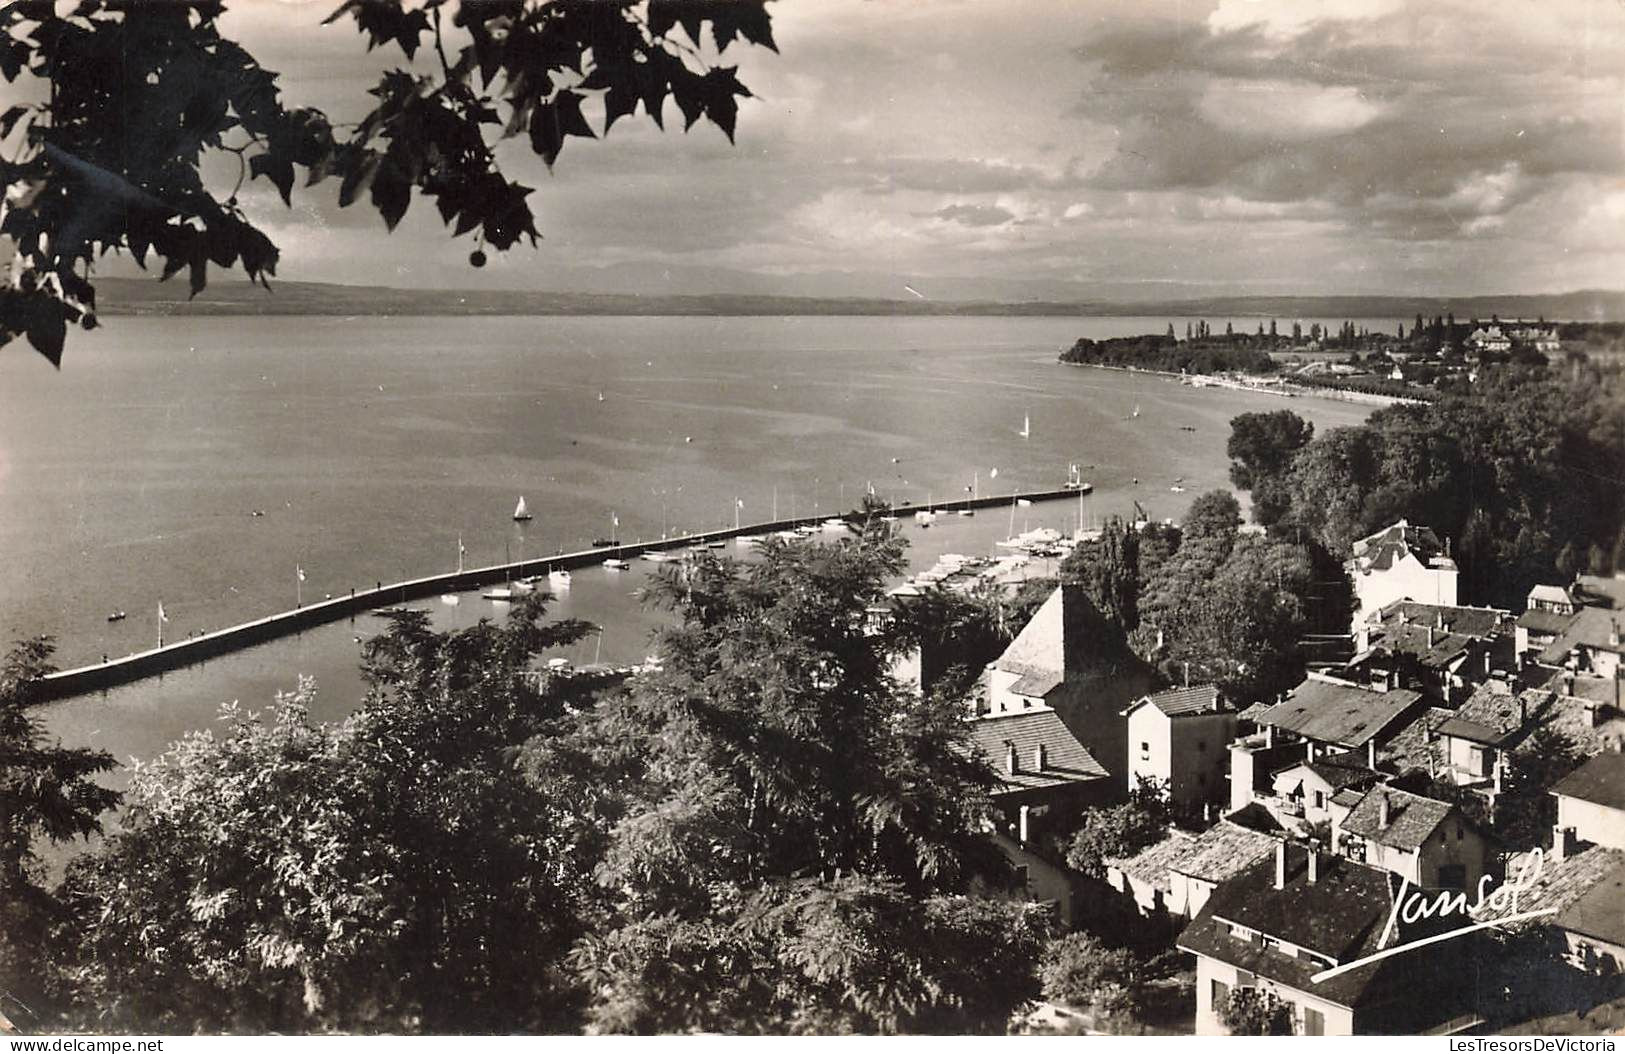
{"points": [[1404, 617], [1024, 817], [1382, 809], [1009, 757], [1613, 634], [1314, 865], [1280, 865], [1562, 843], [1038, 758], [1309, 751], [1568, 682], [1430, 636], [1218, 702], [1438, 619], [1371, 753]]}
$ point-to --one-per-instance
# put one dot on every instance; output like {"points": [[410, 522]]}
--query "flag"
{"points": [[300, 571], [161, 616], [1023, 502]]}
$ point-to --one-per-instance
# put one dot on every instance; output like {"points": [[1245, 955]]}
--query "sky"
{"points": [[1015, 149]]}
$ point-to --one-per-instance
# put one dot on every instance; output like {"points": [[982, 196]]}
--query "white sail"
{"points": [[1026, 425], [521, 511]]}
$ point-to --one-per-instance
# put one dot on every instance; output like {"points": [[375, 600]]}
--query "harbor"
{"points": [[195, 649]]}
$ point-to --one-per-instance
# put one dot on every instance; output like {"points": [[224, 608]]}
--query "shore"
{"points": [[1283, 390]]}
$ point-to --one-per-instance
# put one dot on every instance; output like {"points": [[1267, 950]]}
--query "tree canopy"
{"points": [[770, 834], [1520, 471], [142, 97]]}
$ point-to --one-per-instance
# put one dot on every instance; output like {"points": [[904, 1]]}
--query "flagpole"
{"points": [[298, 586], [738, 504], [160, 623], [459, 553]]}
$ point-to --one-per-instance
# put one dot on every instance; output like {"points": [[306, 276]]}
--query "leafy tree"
{"points": [[1114, 832], [144, 97], [391, 872], [1079, 970], [850, 955], [1108, 569], [1261, 447], [1524, 812], [1255, 1012], [47, 792]]}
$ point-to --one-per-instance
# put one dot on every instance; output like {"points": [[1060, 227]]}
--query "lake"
{"points": [[372, 445]]}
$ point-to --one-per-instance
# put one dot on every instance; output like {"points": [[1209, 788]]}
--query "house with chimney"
{"points": [[1064, 661], [1581, 889], [1475, 739], [1427, 841], [1439, 650], [1045, 778], [1591, 803], [1590, 643], [1401, 562], [1333, 715], [1299, 913], [1318, 789], [1178, 738]]}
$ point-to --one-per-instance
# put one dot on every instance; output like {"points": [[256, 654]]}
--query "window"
{"points": [[1320, 800], [1314, 1022], [1221, 992], [1145, 751]]}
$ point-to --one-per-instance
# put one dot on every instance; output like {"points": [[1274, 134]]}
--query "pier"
{"points": [[188, 651]]}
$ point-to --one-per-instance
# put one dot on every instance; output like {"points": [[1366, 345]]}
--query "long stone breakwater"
{"points": [[190, 650]]}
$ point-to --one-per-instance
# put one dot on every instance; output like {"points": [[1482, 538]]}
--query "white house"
{"points": [[1178, 738], [1401, 562]]}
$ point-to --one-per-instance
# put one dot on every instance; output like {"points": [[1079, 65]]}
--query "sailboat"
{"points": [[1026, 426], [521, 512]]}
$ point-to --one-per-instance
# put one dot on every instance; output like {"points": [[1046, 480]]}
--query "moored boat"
{"points": [[521, 512]]}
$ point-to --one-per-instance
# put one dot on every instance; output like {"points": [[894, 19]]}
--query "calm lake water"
{"points": [[373, 444]]}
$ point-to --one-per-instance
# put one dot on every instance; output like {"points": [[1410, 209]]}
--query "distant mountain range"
{"points": [[130, 296]]}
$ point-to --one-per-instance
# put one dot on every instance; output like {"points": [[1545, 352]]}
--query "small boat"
{"points": [[1026, 427], [499, 595], [835, 523], [967, 512], [613, 564], [522, 586], [558, 664], [716, 543], [600, 396], [117, 616], [1136, 412], [605, 543], [521, 512], [558, 579], [257, 512], [450, 598], [657, 556], [1177, 489]]}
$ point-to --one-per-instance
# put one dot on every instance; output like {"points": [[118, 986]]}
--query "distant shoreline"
{"points": [[147, 298]]}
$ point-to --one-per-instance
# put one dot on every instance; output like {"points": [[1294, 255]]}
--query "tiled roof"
{"points": [[1472, 731], [1040, 647], [1493, 715], [1600, 781], [1591, 627], [1380, 551], [1471, 621], [1216, 855], [1348, 797], [1152, 864], [1038, 683], [1549, 595], [1557, 884], [1604, 592], [1340, 916], [1176, 702], [1432, 648], [1600, 911], [1065, 759], [1537, 621], [1253, 712], [1343, 770], [1411, 817], [1340, 714]]}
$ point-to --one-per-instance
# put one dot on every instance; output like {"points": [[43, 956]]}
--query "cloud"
{"points": [[976, 215], [1285, 109]]}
